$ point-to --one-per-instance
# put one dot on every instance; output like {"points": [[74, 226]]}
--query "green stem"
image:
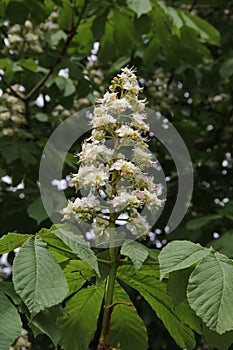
{"points": [[114, 255], [113, 252]]}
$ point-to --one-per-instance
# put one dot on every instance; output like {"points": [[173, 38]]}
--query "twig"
{"points": [[193, 5], [118, 303], [13, 91], [70, 36]]}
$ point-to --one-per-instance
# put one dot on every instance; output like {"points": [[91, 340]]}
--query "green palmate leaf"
{"points": [[139, 6], [79, 325], [10, 323], [127, 330], [136, 251], [45, 323], [77, 243], [178, 255], [37, 278], [77, 273], [12, 241], [210, 292], [155, 293]]}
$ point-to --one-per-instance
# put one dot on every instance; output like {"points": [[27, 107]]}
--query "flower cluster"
{"points": [[12, 112], [122, 186], [21, 38]]}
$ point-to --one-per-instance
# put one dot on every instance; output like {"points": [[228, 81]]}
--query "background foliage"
{"points": [[57, 56]]}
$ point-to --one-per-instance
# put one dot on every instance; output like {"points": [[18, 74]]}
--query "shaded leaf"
{"points": [[29, 64], [200, 222], [79, 325], [77, 243], [221, 342], [8, 289], [127, 329], [36, 211], [77, 273], [177, 284], [207, 32], [10, 324], [155, 293], [45, 323], [224, 243]]}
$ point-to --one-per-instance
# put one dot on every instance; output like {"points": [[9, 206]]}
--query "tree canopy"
{"points": [[58, 56]]}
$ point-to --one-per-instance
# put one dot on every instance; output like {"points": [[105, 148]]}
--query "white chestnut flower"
{"points": [[91, 176], [138, 121], [125, 167], [95, 151], [124, 199], [138, 225]]}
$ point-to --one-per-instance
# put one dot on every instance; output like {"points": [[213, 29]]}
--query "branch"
{"points": [[62, 54], [13, 91], [192, 5], [200, 7]]}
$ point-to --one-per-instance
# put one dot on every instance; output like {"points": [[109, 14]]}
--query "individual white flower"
{"points": [[103, 120], [8, 131], [14, 39], [138, 121], [147, 197], [108, 98], [99, 110], [68, 210], [138, 225], [81, 208], [127, 131], [119, 105], [86, 202], [94, 151], [143, 157], [97, 135], [143, 181], [153, 200], [123, 200], [5, 116], [91, 176], [129, 81], [125, 167], [100, 227]]}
